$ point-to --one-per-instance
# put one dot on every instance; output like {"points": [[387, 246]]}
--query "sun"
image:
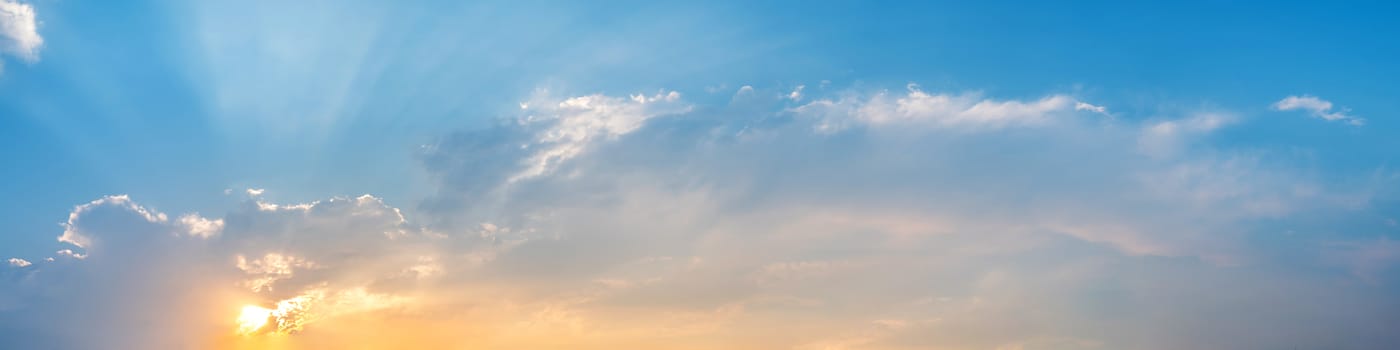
{"points": [[253, 319]]}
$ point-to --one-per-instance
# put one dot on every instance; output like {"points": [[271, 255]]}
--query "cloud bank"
{"points": [[887, 219]]}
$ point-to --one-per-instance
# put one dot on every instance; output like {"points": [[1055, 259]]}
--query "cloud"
{"points": [[925, 220], [1317, 107], [549, 133], [19, 30], [73, 233], [1082, 106], [921, 109], [199, 226], [1167, 137], [17, 262], [744, 90], [796, 94], [68, 253], [1010, 209], [140, 280], [571, 126]]}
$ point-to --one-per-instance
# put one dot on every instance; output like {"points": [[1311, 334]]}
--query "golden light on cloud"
{"points": [[292, 314], [289, 316]]}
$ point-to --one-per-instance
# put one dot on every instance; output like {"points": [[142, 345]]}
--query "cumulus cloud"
{"points": [[185, 279], [1318, 108], [199, 226], [19, 30], [73, 233], [17, 262], [859, 219]]}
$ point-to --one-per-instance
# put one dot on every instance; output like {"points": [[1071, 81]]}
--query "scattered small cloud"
{"points": [[1318, 108], [69, 253], [1083, 106], [796, 94]]}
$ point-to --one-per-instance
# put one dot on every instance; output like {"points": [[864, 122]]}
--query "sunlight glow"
{"points": [[253, 319], [292, 314], [289, 317]]}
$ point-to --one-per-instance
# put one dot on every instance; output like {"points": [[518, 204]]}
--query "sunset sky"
{"points": [[805, 175]]}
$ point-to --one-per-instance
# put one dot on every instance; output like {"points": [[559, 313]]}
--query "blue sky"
{"points": [[120, 101], [1110, 127]]}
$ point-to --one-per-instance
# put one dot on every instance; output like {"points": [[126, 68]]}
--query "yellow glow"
{"points": [[293, 314], [289, 317], [253, 319]]}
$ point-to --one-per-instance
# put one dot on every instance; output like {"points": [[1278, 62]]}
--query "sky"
{"points": [[705, 175]]}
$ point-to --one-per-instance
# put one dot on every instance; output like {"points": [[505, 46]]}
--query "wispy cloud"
{"points": [[917, 108], [1317, 107], [567, 128]]}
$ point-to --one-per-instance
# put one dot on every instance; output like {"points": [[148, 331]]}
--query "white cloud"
{"points": [[1317, 107], [919, 108], [19, 30], [17, 262], [72, 233], [1082, 106], [200, 226], [68, 253], [796, 94], [571, 126], [549, 134]]}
